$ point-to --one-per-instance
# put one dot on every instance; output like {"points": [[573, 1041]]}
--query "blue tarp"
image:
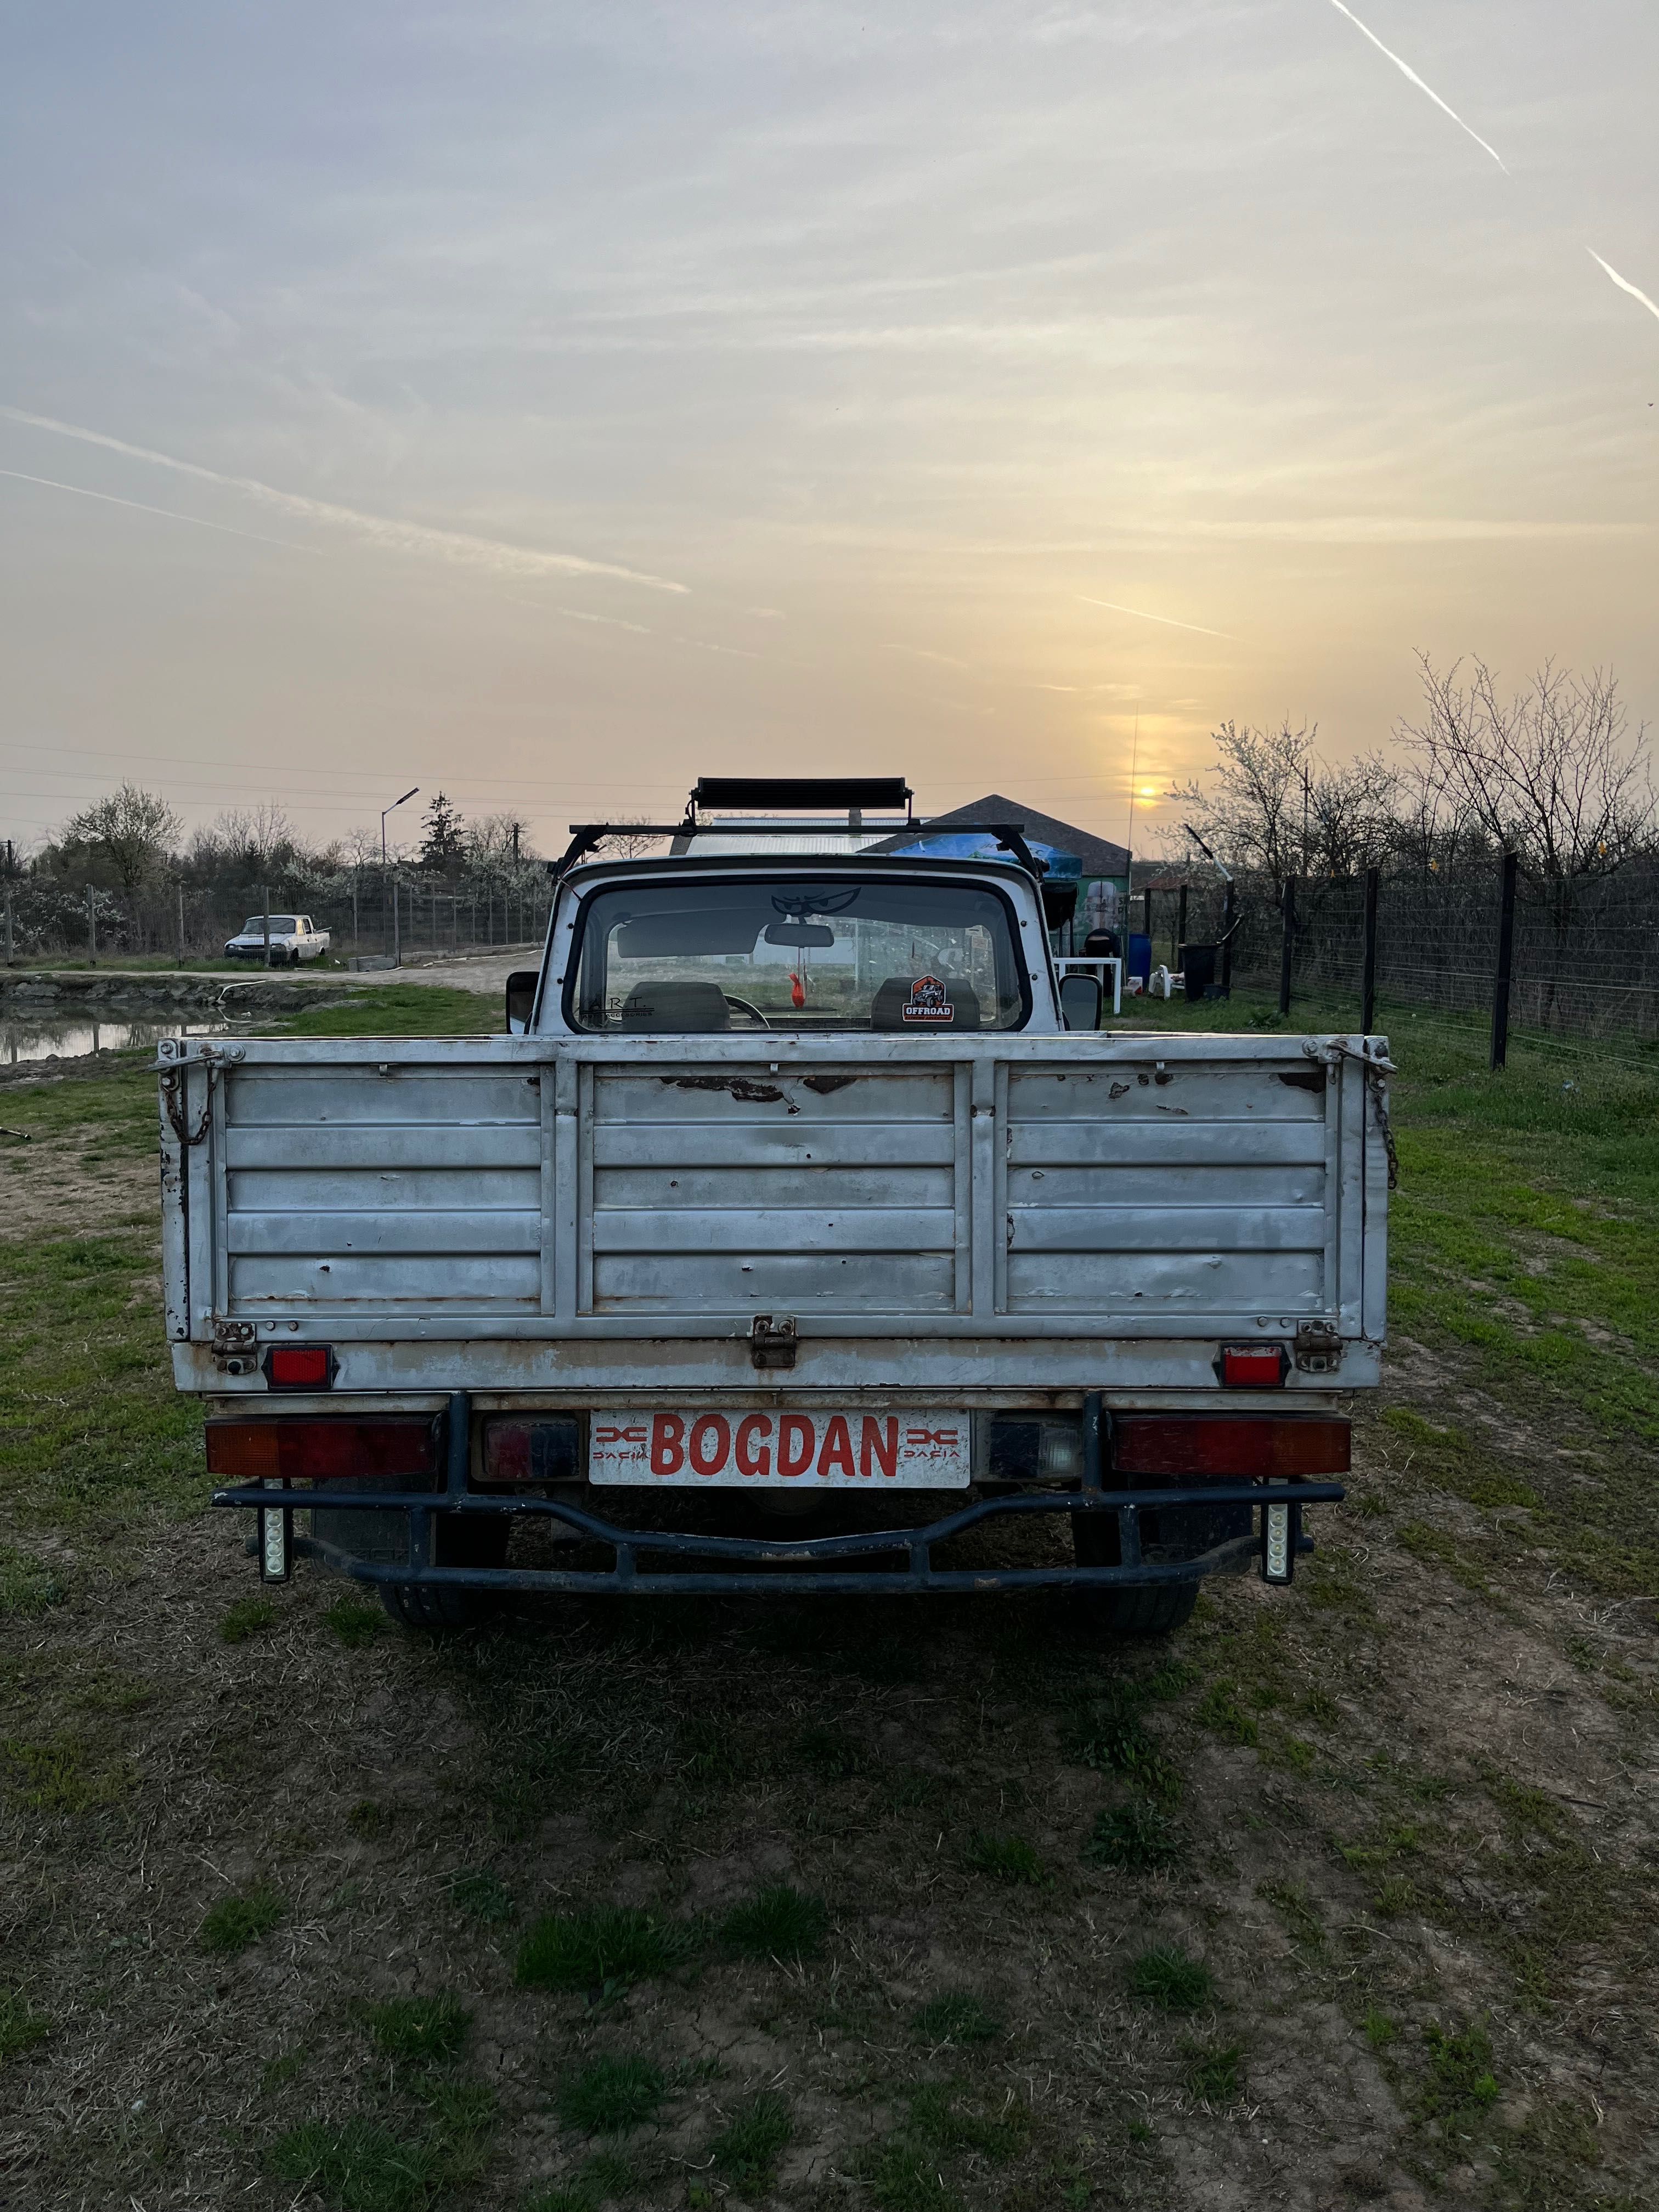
{"points": [[975, 845]]}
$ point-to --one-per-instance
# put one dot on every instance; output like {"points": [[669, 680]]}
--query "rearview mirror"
{"points": [[1081, 1001], [799, 935], [521, 1000]]}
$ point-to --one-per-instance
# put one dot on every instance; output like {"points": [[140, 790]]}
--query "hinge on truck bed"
{"points": [[234, 1346], [770, 1346], [1318, 1348]]}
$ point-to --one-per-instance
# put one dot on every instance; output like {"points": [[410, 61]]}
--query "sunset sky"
{"points": [[552, 403]]}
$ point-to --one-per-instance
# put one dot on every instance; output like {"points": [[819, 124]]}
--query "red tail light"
{"points": [[1249, 1446], [1253, 1366], [322, 1450], [300, 1367]]}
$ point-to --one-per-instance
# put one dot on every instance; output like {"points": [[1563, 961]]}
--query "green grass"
{"points": [[66, 1773], [420, 2031], [401, 1009], [1008, 1859], [778, 1922], [93, 1439], [957, 2016], [611, 2095], [1138, 1837], [746, 2150], [356, 1621], [482, 1896], [28, 1586], [1216, 2074], [830, 1754], [21, 2027], [1107, 1732], [1461, 2086], [1219, 1710], [239, 1919], [1168, 1980], [603, 1950], [360, 2164], [248, 1617]]}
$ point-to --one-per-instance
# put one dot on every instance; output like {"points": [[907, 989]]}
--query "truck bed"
{"points": [[507, 1212]]}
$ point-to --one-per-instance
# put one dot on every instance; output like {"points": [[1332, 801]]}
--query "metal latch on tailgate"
{"points": [[1318, 1348], [234, 1346], [770, 1345]]}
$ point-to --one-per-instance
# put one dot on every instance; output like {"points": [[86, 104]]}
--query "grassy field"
{"points": [[1344, 1896]]}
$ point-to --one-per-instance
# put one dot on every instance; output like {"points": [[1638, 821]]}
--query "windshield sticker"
{"points": [[929, 1001]]}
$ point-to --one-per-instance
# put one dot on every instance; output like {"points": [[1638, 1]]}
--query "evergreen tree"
{"points": [[443, 836]]}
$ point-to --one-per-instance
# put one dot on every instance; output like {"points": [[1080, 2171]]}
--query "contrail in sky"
{"points": [[379, 530], [170, 514], [1169, 620], [1406, 69], [1623, 282]]}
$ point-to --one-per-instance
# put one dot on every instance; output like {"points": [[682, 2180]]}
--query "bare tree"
{"points": [[133, 830], [1552, 774], [1273, 807], [253, 844]]}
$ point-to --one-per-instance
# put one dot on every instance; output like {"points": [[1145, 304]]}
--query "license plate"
{"points": [[925, 1450]]}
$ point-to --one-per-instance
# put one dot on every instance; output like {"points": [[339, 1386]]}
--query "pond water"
{"points": [[72, 1037]]}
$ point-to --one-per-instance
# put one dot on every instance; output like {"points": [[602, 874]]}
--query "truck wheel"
{"points": [[1143, 1609], [435, 1605]]}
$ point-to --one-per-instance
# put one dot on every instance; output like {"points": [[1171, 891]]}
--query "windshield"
{"points": [[798, 953], [282, 924]]}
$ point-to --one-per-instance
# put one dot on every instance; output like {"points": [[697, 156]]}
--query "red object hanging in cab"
{"points": [[797, 991]]}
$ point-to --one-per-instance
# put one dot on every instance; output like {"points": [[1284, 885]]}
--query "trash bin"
{"points": [[1141, 957], [1198, 966]]}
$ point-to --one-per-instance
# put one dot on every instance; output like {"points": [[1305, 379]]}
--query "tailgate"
{"points": [[1079, 1186]]}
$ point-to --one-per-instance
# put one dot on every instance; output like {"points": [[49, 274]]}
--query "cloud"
{"points": [[1405, 69], [1169, 620], [1623, 282], [170, 514], [454, 545]]}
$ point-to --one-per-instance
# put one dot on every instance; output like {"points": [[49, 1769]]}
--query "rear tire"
{"points": [[1135, 1609]]}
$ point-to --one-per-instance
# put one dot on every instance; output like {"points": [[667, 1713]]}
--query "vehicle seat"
{"points": [[887, 1008], [681, 1009]]}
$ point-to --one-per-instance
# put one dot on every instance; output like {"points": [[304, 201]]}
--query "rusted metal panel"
{"points": [[451, 1283]]}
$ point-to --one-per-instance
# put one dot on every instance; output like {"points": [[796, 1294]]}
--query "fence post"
{"points": [[1227, 914], [354, 874], [92, 926], [1368, 1013], [8, 951], [1500, 996], [397, 925], [265, 910], [181, 921], [1180, 927], [1285, 945]]}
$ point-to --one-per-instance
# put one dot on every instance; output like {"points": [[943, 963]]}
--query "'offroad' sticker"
{"points": [[929, 1001]]}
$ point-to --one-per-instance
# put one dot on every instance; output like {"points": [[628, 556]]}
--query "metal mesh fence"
{"points": [[368, 912], [1584, 959]]}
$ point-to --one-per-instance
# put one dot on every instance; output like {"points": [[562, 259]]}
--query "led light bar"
{"points": [[1277, 1551], [274, 1546]]}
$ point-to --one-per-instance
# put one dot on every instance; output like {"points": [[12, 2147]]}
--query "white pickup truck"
{"points": [[290, 938], [791, 1240]]}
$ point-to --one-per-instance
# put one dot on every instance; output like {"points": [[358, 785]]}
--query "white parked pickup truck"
{"points": [[291, 939], [801, 1235]]}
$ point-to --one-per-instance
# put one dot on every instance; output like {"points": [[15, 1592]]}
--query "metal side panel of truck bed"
{"points": [[535, 1195]]}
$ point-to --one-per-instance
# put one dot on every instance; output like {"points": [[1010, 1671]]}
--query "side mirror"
{"points": [[1081, 1001], [521, 1000]]}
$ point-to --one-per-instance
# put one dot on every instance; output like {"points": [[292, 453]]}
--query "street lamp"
{"points": [[396, 940], [392, 809]]}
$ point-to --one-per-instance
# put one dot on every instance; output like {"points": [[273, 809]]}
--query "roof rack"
{"points": [[587, 836], [851, 793]]}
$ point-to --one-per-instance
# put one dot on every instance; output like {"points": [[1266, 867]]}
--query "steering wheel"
{"points": [[743, 1006]]}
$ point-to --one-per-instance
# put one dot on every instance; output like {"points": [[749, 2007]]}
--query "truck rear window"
{"points": [[798, 953]]}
